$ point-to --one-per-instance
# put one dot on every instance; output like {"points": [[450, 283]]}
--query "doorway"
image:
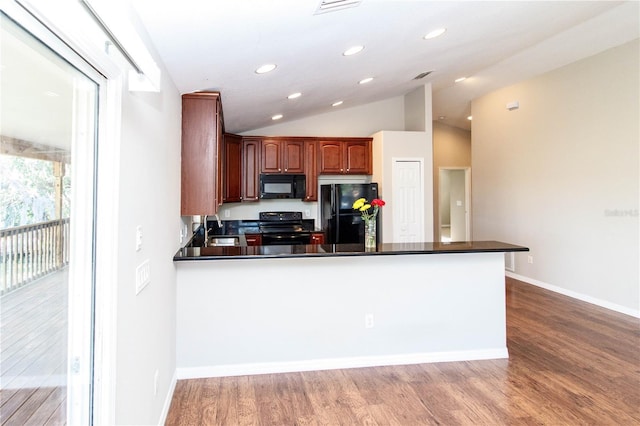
{"points": [[454, 204]]}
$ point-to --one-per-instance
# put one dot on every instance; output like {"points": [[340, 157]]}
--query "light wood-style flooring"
{"points": [[570, 363]]}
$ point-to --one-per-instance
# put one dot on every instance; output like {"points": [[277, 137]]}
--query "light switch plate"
{"points": [[138, 238]]}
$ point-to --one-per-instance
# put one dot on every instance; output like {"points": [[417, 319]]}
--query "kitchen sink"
{"points": [[224, 241]]}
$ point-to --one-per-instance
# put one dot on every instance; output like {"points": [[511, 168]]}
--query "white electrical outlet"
{"points": [[227, 213], [529, 259], [307, 213], [368, 321], [143, 275]]}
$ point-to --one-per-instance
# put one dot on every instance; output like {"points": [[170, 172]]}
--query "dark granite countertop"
{"points": [[335, 250]]}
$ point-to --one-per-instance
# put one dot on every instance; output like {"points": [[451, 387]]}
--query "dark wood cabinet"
{"points": [[232, 168], [202, 128], [311, 170], [253, 239], [317, 238], [345, 157], [282, 156], [250, 169]]}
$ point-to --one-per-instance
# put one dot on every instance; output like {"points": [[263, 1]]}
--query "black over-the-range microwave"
{"points": [[283, 186]]}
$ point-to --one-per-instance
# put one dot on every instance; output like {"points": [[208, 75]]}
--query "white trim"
{"points": [[167, 401], [338, 363], [575, 295]]}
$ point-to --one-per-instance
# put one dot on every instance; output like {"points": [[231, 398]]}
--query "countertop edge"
{"points": [[329, 250]]}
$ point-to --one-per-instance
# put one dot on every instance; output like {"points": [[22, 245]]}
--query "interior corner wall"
{"points": [[560, 175], [415, 117], [149, 196], [451, 148]]}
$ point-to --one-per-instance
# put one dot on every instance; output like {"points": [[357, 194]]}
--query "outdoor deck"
{"points": [[33, 352]]}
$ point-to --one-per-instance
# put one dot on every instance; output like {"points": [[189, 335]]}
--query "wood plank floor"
{"points": [[33, 352], [571, 363]]}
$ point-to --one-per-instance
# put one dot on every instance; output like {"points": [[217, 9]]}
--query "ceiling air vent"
{"points": [[332, 5], [422, 75]]}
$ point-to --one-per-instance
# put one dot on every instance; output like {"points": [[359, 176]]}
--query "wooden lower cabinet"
{"points": [[253, 239], [317, 238]]}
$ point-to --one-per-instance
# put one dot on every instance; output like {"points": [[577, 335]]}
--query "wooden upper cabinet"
{"points": [[282, 156], [232, 168], [331, 157], [346, 157], [311, 170], [201, 145], [358, 159], [250, 169]]}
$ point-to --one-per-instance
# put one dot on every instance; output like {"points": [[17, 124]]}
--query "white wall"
{"points": [[359, 121], [388, 145], [560, 176], [149, 196]]}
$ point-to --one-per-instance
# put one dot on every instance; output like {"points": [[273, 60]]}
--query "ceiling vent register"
{"points": [[333, 5]]}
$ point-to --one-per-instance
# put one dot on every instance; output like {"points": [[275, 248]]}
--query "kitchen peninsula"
{"points": [[266, 309]]}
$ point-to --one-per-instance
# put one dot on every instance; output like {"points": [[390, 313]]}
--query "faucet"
{"points": [[219, 221], [206, 230]]}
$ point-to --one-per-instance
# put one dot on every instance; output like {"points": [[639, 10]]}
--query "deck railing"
{"points": [[32, 251]]}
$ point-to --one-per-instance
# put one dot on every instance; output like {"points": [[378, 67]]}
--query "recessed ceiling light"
{"points": [[435, 33], [266, 68], [294, 95], [366, 80], [353, 50], [51, 94], [442, 117], [335, 104], [277, 117], [458, 80], [470, 118]]}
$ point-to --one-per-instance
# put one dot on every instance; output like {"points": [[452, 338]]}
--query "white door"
{"points": [[408, 200]]}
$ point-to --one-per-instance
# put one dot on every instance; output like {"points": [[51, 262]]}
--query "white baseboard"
{"points": [[583, 297], [167, 400], [337, 363]]}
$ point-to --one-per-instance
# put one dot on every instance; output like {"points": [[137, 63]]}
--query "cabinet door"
{"points": [[253, 239], [293, 156], [232, 168], [199, 172], [317, 238], [358, 157], [250, 169], [271, 153], [311, 170], [331, 157]]}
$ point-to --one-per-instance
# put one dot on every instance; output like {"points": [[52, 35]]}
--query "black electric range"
{"points": [[283, 228]]}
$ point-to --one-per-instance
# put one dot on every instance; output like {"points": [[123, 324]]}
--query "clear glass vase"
{"points": [[370, 233]]}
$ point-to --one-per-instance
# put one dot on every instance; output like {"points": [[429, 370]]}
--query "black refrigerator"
{"points": [[340, 222]]}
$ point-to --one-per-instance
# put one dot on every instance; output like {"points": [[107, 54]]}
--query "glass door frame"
{"points": [[95, 403]]}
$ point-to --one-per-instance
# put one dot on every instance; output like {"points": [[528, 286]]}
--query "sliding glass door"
{"points": [[49, 115]]}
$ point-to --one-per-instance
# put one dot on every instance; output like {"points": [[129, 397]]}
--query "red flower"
{"points": [[377, 202]]}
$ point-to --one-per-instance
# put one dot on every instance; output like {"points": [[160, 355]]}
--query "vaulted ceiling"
{"points": [[218, 45]]}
